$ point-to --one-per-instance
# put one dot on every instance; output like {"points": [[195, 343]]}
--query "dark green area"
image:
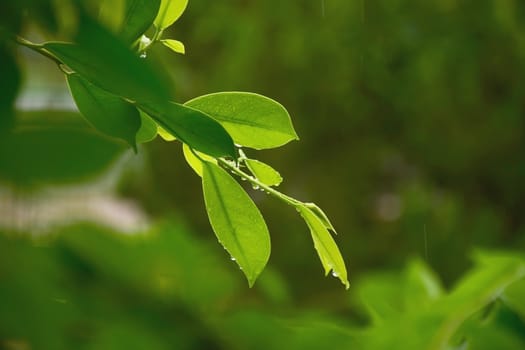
{"points": [[411, 119]]}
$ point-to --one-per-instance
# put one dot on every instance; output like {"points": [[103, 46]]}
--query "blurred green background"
{"points": [[411, 118]]}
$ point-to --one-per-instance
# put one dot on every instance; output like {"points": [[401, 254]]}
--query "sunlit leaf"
{"points": [[263, 172], [192, 127], [194, 162], [138, 17], [148, 128], [236, 221], [108, 113], [321, 215], [166, 136], [174, 45], [325, 245], [253, 120], [106, 62], [169, 12]]}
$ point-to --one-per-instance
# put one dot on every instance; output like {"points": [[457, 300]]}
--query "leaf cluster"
{"points": [[123, 95]]}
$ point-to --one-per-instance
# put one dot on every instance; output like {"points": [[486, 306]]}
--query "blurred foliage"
{"points": [[411, 121], [411, 111], [90, 288]]}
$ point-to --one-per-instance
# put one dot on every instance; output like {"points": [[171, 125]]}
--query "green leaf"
{"points": [[439, 318], [108, 113], [138, 17], [148, 128], [421, 286], [325, 245], [194, 162], [263, 172], [56, 153], [192, 127], [106, 62], [253, 120], [166, 136], [169, 12], [236, 221], [174, 45], [321, 215]]}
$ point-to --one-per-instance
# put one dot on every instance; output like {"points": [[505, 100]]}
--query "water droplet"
{"points": [[144, 40], [243, 178], [143, 55], [232, 258], [255, 187], [335, 274]]}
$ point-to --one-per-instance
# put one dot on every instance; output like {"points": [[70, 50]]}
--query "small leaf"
{"points": [[169, 12], [253, 120], [321, 215], [106, 112], [107, 63], [174, 45], [148, 128], [138, 17], [263, 172], [166, 136], [325, 245], [194, 162], [236, 221], [192, 127]]}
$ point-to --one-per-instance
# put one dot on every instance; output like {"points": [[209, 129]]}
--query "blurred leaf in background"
{"points": [[411, 121]]}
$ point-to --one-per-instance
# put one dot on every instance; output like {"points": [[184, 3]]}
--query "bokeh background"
{"points": [[411, 119]]}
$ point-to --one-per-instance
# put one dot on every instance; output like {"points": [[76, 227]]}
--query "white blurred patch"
{"points": [[42, 211]]}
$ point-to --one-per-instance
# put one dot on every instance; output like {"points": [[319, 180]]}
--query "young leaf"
{"points": [[148, 128], [108, 63], [236, 221], [138, 17], [325, 245], [263, 172], [193, 127], [321, 215], [174, 45], [194, 162], [169, 12], [253, 120], [106, 112]]}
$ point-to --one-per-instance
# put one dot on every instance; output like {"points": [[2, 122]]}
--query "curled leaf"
{"points": [[325, 245]]}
